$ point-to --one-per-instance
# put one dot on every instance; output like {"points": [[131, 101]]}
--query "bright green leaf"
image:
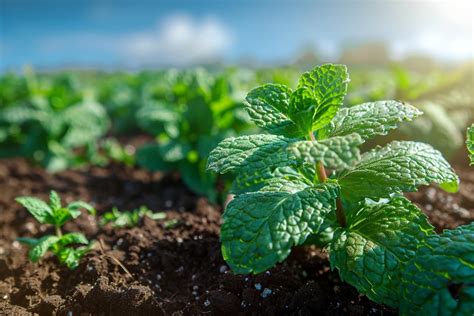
{"points": [[268, 107], [39, 209], [372, 118], [77, 205], [239, 152], [335, 153], [397, 167], [439, 280], [55, 200], [42, 247], [370, 252], [260, 228], [302, 108], [72, 238], [329, 85]]}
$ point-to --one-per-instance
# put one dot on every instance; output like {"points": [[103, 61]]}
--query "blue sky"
{"points": [[136, 33]]}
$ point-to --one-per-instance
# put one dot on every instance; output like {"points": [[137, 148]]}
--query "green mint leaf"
{"points": [[397, 167], [77, 205], [329, 85], [268, 108], [470, 142], [72, 238], [335, 153], [42, 247], [70, 256], [369, 253], [28, 241], [260, 228], [238, 152], [372, 118], [253, 179], [439, 280], [301, 109], [55, 200], [39, 209], [290, 184]]}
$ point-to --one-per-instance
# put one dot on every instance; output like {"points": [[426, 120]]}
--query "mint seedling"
{"points": [[129, 218], [60, 244], [307, 182]]}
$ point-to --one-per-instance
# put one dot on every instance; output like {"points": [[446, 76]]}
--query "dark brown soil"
{"points": [[176, 270]]}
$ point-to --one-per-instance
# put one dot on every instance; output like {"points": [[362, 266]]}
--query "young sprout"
{"points": [[129, 218], [60, 244]]}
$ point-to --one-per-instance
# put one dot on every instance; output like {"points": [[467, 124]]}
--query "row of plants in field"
{"points": [[306, 182], [70, 120]]}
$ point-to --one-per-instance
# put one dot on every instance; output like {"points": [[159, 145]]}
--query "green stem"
{"points": [[59, 233], [322, 176]]}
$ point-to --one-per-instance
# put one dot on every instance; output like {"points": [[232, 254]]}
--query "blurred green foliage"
{"points": [[75, 119]]}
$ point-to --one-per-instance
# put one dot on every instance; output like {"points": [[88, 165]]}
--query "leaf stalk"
{"points": [[322, 176]]}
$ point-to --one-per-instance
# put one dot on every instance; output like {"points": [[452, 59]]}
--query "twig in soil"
{"points": [[117, 261]]}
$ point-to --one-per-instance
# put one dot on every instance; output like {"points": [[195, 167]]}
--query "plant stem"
{"points": [[322, 176], [341, 217], [59, 233]]}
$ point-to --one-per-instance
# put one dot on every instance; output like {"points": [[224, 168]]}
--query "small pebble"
{"points": [[258, 286], [223, 268], [266, 292], [207, 302]]}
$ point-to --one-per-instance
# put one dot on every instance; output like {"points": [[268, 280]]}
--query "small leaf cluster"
{"points": [[129, 219], [188, 117], [61, 245], [308, 182]]}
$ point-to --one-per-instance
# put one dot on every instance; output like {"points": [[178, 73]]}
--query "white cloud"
{"points": [[179, 40], [438, 45], [176, 40]]}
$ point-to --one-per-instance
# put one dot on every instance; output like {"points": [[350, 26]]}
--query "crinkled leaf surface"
{"points": [[261, 227], [38, 208], [372, 118], [335, 153], [73, 238], [41, 247], [379, 238], [268, 107], [329, 85], [77, 205], [55, 200], [397, 167], [302, 108], [239, 152], [439, 280]]}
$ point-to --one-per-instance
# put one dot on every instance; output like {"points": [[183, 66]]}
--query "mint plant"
{"points": [[188, 117], [307, 182], [59, 244], [129, 218]]}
